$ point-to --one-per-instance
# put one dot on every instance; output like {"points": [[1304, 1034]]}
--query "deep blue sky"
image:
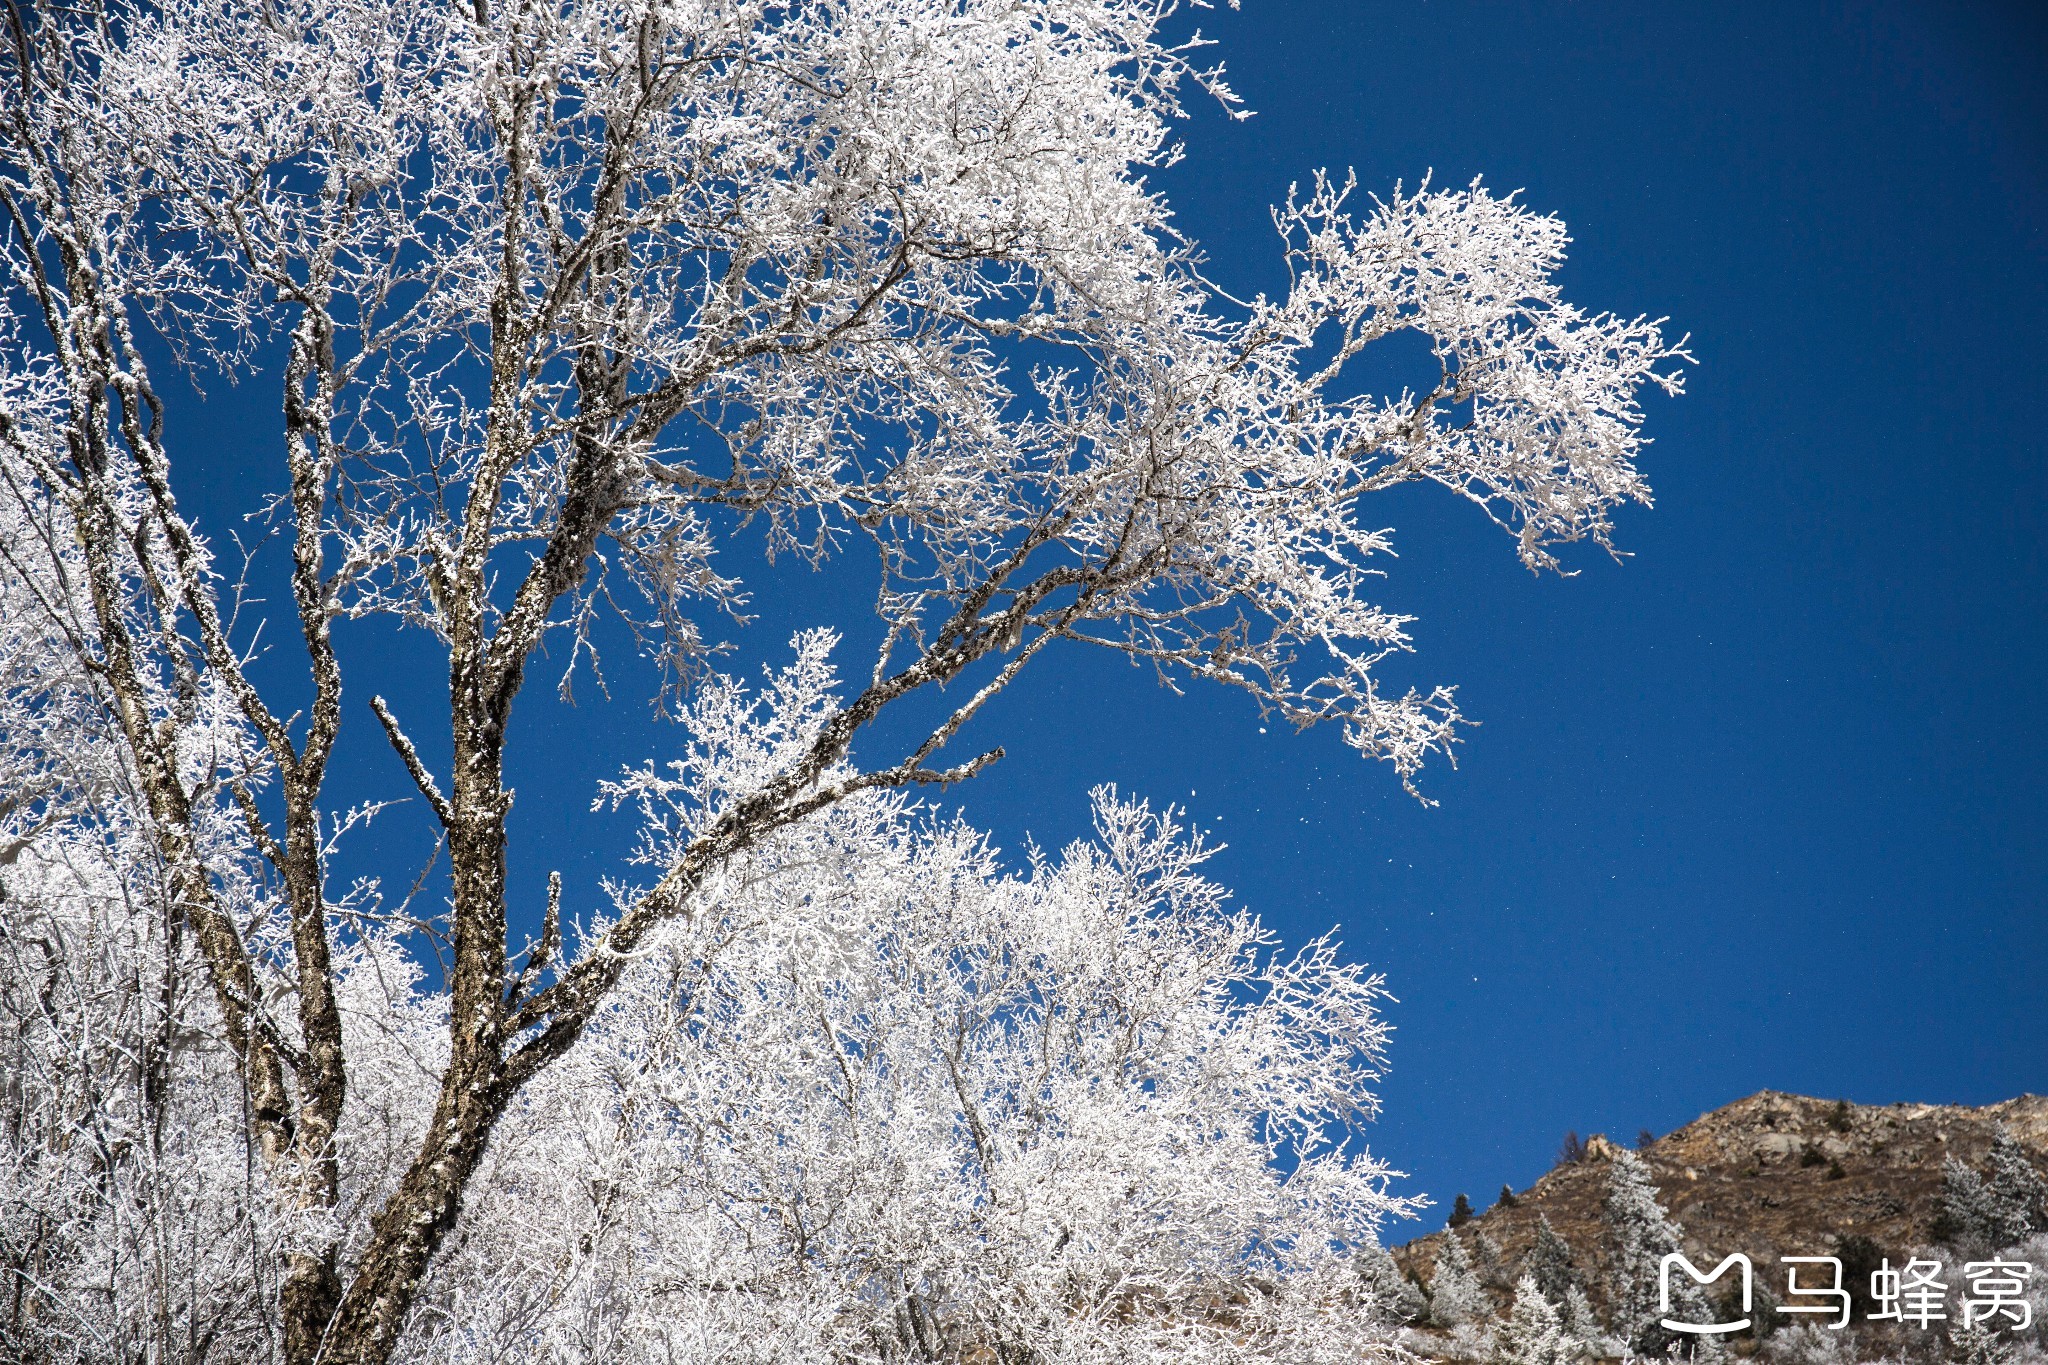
{"points": [[1762, 806]]}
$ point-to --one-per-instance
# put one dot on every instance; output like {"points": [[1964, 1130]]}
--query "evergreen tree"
{"points": [[1577, 1317], [2015, 1196], [1507, 1198], [1490, 1264], [1461, 1211], [1764, 1317], [1455, 1296], [1642, 1235], [1532, 1334], [1967, 1215], [1392, 1295], [1549, 1262]]}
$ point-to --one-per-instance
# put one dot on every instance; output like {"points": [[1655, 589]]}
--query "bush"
{"points": [[1860, 1257]]}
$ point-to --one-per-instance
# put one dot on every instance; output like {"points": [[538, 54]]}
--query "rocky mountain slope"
{"points": [[1771, 1175]]}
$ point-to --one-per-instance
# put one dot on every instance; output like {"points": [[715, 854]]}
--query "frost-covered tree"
{"points": [[1980, 1345], [1390, 1294], [1641, 1234], [2003, 1205], [880, 1099], [1531, 1334], [130, 1228], [567, 307], [1490, 1263], [1576, 1316], [1456, 1298], [2015, 1195], [1968, 1214], [1805, 1343], [890, 1101], [1549, 1262]]}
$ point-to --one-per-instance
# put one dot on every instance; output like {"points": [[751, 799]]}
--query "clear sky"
{"points": [[1762, 806]]}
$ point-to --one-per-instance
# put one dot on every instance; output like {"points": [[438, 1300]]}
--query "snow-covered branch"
{"points": [[567, 304]]}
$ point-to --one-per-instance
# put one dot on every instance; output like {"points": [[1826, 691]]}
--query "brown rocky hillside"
{"points": [[1771, 1175]]}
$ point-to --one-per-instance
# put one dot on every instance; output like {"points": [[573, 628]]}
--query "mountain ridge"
{"points": [[1772, 1174]]}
